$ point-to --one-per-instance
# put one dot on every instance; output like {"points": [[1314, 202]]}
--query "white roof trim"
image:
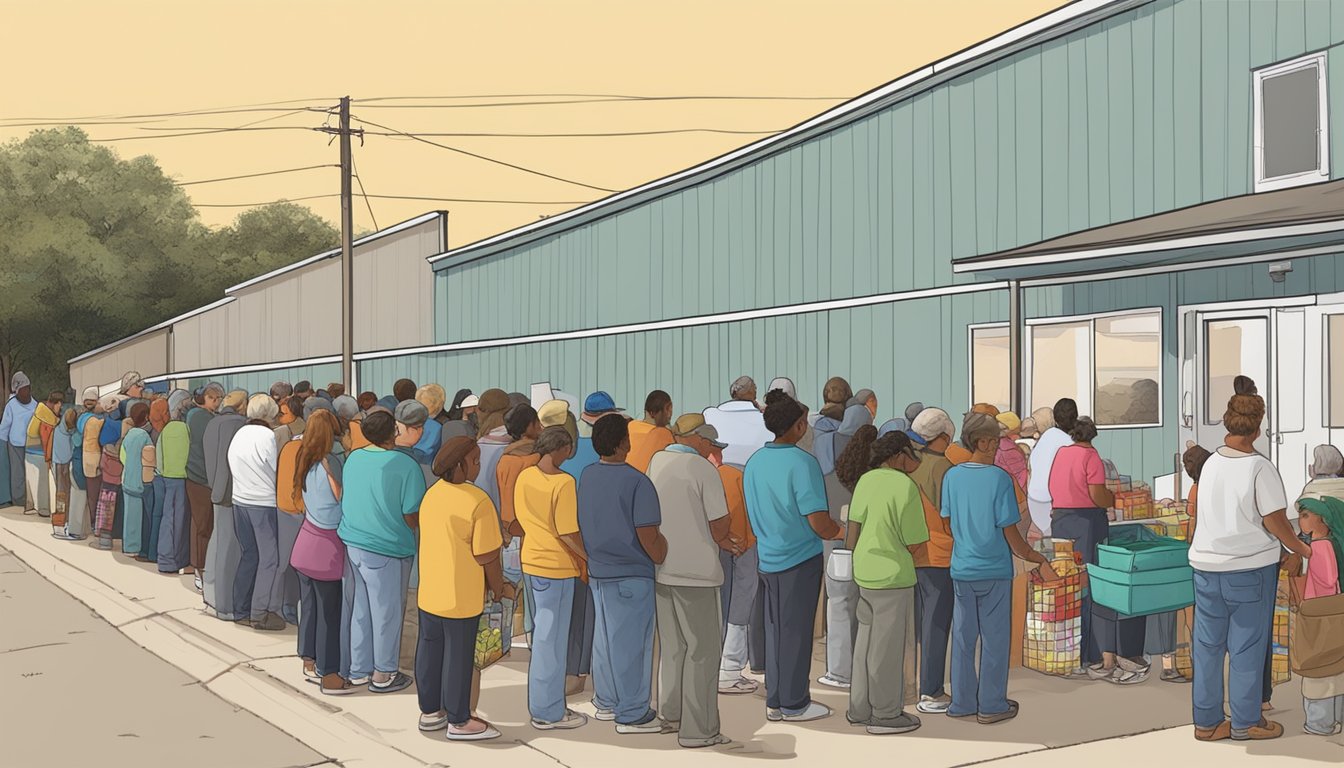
{"points": [[1156, 246], [161, 326], [698, 320], [424, 218], [1185, 266], [898, 89], [244, 368]]}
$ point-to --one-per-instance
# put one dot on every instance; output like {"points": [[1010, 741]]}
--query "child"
{"points": [[1162, 627], [1323, 520]]}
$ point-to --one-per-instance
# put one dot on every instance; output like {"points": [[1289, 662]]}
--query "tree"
{"points": [[94, 248]]}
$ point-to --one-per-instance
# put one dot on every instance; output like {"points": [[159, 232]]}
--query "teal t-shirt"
{"points": [[887, 504], [380, 488], [980, 502], [783, 485]]}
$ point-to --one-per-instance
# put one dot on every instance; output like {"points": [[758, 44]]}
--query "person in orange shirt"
{"points": [[524, 427], [651, 435], [740, 579]]}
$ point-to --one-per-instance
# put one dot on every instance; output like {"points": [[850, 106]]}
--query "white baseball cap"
{"points": [[471, 401]]}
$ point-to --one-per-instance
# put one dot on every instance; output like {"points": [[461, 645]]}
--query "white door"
{"points": [[1312, 409]]}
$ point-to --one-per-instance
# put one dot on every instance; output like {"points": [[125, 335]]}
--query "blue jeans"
{"points": [[981, 612], [259, 564], [174, 552], [1233, 615], [552, 606], [378, 611], [623, 647]]}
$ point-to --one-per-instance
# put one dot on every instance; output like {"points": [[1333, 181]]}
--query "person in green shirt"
{"points": [[886, 521]]}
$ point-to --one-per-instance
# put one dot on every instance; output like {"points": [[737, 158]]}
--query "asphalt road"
{"points": [[75, 691]]}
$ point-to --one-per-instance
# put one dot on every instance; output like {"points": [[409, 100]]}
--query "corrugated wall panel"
{"points": [[147, 355]]}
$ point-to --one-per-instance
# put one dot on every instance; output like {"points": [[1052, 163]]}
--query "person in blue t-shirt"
{"points": [[981, 505], [786, 504], [618, 520]]}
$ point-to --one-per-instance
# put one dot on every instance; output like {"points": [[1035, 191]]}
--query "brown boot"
{"points": [[335, 685], [1217, 733], [1265, 729]]}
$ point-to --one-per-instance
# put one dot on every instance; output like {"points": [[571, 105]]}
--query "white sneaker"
{"points": [[814, 711], [934, 705], [605, 715], [653, 726], [200, 585], [571, 721], [831, 682], [738, 687], [773, 715]]}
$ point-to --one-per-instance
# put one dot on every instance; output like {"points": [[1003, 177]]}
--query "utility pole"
{"points": [[347, 254]]}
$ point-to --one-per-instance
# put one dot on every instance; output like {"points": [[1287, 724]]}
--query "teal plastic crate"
{"points": [[1140, 593], [1145, 554]]}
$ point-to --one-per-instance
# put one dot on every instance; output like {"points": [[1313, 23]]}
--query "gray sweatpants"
{"points": [[741, 582], [221, 567], [689, 637], [885, 620], [842, 598], [18, 471], [285, 593]]}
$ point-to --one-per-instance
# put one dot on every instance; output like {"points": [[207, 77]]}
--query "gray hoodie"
{"points": [[219, 433]]}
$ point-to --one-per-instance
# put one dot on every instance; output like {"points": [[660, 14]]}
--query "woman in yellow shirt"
{"points": [[459, 558], [545, 501]]}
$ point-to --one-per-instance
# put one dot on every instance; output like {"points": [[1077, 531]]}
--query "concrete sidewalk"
{"points": [[1062, 723]]}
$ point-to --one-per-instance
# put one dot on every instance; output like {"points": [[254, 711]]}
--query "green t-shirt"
{"points": [[886, 503]]}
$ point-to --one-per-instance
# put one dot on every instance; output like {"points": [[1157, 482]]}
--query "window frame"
{"points": [[1090, 319], [970, 356], [1258, 76]]}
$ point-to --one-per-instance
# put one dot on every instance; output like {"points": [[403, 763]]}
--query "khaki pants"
{"points": [[690, 636], [881, 655]]}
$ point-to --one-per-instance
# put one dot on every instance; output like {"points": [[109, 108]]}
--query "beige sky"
{"points": [[81, 58]]}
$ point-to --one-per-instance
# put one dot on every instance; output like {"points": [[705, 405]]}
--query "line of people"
{"points": [[714, 532]]}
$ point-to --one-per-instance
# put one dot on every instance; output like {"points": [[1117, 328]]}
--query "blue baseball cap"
{"points": [[600, 402], [915, 438]]}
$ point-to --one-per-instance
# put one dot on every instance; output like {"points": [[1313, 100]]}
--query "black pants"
{"points": [[790, 614], [756, 631], [1104, 630], [444, 661], [933, 615], [582, 622], [320, 623]]}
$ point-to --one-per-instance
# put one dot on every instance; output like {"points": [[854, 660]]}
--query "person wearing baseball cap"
{"points": [[595, 406], [18, 413], [696, 524]]}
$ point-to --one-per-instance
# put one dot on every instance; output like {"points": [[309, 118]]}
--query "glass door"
{"points": [[1231, 345]]}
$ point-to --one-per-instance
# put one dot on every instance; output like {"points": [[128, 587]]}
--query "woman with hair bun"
{"points": [[1242, 530]]}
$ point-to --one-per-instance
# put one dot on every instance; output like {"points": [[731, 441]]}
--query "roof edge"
{"points": [[161, 326], [1077, 14]]}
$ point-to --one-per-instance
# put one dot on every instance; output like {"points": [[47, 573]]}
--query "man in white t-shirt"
{"points": [[1054, 425], [739, 423], [696, 525], [1239, 536]]}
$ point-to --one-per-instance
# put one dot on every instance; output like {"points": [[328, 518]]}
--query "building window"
{"points": [[1291, 140], [1111, 365], [1334, 363], [1232, 348], [990, 371]]}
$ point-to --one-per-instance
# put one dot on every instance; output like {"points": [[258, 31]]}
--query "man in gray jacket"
{"points": [[222, 553]]}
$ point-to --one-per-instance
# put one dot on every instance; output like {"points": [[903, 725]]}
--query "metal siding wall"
{"points": [[261, 381], [147, 355]]}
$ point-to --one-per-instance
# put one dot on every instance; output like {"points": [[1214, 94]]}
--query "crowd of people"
{"points": [[714, 532]]}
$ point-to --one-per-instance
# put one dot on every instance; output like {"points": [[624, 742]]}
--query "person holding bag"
{"points": [[1317, 652]]}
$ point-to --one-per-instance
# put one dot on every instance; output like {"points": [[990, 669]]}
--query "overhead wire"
{"points": [[397, 197], [485, 158], [594, 134], [255, 175], [354, 171]]}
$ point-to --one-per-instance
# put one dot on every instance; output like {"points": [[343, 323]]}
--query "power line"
{"points": [[354, 171], [255, 175], [500, 135], [272, 106], [578, 98], [397, 197], [203, 132], [487, 159]]}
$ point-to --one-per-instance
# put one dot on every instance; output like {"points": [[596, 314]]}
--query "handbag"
{"points": [[1317, 648]]}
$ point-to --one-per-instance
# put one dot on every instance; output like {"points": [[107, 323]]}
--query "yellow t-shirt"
{"points": [[547, 507], [457, 523]]}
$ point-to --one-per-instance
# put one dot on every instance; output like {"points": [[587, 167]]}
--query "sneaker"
{"points": [[605, 715], [43, 513], [934, 705], [30, 511], [737, 687], [59, 533], [571, 721], [670, 726], [335, 685], [813, 711], [199, 584], [855, 722], [1172, 676], [1127, 672], [1265, 729], [434, 722], [999, 717], [831, 682], [902, 724], [271, 623], [773, 715], [310, 670], [474, 729], [398, 682], [360, 681], [1219, 732], [1099, 672], [652, 725], [105, 546], [713, 741]]}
